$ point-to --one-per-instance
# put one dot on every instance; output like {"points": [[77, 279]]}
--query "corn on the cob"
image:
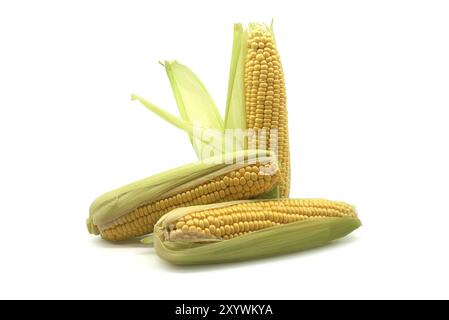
{"points": [[133, 210], [243, 230], [265, 99]]}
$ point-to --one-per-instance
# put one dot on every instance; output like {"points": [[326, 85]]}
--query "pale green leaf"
{"points": [[235, 116], [194, 102]]}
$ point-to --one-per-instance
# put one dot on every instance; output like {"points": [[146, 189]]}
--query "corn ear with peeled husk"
{"points": [[243, 230], [132, 211]]}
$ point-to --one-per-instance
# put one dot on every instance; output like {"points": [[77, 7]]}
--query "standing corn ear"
{"points": [[256, 94], [132, 210], [241, 230]]}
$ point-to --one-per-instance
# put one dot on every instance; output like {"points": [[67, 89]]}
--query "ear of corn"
{"points": [[132, 210], [241, 230], [256, 93]]}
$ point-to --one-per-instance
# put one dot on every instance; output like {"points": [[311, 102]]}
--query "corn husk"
{"points": [[235, 115], [196, 108]]}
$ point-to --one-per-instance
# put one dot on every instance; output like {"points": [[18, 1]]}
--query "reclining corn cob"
{"points": [[132, 211], [241, 230]]}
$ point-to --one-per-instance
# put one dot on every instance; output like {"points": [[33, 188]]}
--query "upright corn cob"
{"points": [[265, 99], [250, 229], [134, 209], [256, 95]]}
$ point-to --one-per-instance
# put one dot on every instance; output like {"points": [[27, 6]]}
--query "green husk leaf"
{"points": [[167, 116], [194, 102], [270, 194], [235, 116], [213, 139], [149, 239]]}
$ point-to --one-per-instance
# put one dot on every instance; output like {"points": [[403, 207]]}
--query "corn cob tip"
{"points": [[91, 227]]}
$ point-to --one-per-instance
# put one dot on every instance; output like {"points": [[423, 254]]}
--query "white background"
{"points": [[368, 100]]}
